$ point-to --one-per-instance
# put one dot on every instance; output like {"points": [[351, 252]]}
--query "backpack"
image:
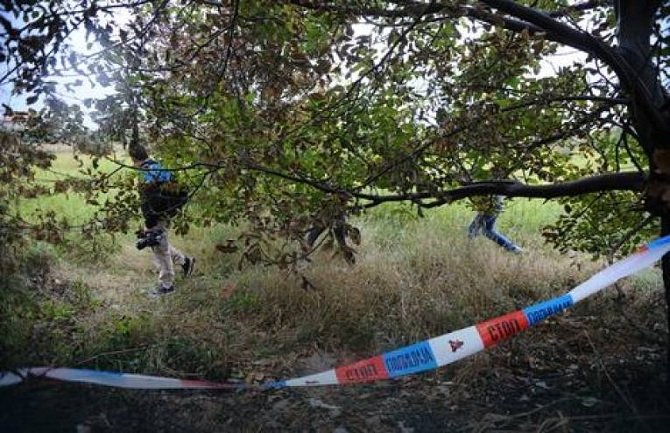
{"points": [[162, 195]]}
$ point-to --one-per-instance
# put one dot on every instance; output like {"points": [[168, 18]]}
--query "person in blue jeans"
{"points": [[484, 223]]}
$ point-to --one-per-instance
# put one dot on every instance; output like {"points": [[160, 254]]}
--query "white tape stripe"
{"points": [[117, 380], [323, 378], [8, 378], [618, 270], [456, 345]]}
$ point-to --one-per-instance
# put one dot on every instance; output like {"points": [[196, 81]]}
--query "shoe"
{"points": [[517, 249], [161, 290], [187, 267]]}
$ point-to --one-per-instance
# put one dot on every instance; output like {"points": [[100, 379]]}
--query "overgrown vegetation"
{"points": [[415, 278], [285, 114]]}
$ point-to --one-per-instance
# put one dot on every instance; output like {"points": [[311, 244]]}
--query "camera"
{"points": [[149, 239]]}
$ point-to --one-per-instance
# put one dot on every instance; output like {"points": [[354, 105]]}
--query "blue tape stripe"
{"points": [[658, 242], [410, 359], [538, 312], [279, 384]]}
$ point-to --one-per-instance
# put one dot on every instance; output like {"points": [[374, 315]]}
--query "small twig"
{"points": [[623, 397], [541, 408]]}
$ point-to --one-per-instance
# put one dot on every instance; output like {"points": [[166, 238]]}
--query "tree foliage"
{"points": [[279, 110], [17, 167]]}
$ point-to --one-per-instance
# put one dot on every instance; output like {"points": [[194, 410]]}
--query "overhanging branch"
{"points": [[580, 7], [624, 181]]}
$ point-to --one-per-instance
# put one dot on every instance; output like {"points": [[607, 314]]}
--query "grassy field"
{"points": [[70, 206], [414, 278]]}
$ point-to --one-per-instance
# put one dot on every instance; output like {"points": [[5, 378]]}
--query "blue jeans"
{"points": [[486, 224]]}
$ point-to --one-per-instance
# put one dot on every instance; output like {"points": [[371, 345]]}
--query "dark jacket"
{"points": [[161, 196]]}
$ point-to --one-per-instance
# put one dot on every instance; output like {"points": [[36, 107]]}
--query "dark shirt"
{"points": [[160, 195]]}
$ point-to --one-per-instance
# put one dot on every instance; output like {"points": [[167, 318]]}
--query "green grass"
{"points": [[414, 278], [70, 206]]}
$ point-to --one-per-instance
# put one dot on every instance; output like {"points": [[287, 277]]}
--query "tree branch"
{"points": [[580, 7], [412, 9], [625, 181]]}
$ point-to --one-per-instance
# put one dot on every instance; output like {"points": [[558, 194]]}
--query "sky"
{"points": [[79, 43], [565, 56]]}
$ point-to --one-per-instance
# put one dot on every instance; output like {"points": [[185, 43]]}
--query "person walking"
{"points": [[161, 197], [485, 220]]}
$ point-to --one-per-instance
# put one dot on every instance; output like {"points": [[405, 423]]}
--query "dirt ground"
{"points": [[492, 392], [592, 370]]}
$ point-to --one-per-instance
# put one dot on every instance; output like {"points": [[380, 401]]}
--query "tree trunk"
{"points": [[635, 25], [665, 264]]}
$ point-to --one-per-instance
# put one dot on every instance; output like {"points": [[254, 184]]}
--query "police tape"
{"points": [[108, 378], [418, 357]]}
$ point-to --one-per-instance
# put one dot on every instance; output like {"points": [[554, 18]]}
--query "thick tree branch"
{"points": [[625, 181], [583, 41], [413, 9], [580, 7]]}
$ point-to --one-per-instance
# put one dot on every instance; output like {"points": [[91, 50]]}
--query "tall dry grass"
{"points": [[414, 278], [431, 279]]}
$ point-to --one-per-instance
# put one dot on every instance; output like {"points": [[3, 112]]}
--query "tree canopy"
{"points": [[282, 112]]}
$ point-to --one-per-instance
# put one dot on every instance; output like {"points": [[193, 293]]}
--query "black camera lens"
{"points": [[150, 239]]}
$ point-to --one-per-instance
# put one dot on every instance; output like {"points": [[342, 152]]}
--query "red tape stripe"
{"points": [[362, 371], [501, 328]]}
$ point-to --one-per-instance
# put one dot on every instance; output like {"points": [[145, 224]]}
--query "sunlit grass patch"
{"points": [[70, 206]]}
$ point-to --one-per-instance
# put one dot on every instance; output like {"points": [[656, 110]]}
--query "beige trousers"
{"points": [[166, 257]]}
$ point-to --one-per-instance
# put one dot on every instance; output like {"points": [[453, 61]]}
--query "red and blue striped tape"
{"points": [[446, 349], [418, 357]]}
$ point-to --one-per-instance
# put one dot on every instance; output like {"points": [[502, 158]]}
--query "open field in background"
{"points": [[70, 206], [414, 278]]}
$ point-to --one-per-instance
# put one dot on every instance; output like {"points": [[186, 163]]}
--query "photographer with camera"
{"points": [[161, 198]]}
